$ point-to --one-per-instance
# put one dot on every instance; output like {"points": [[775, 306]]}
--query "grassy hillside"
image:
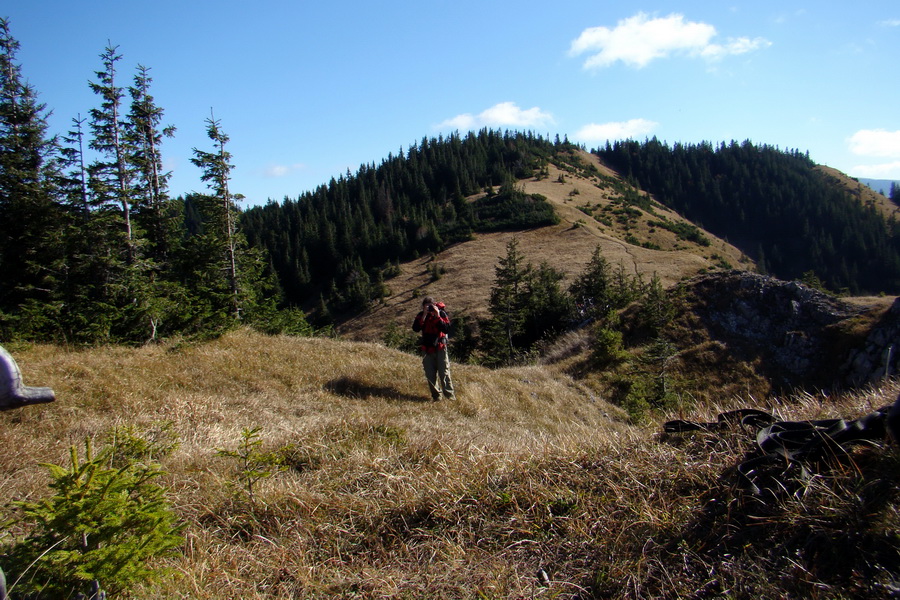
{"points": [[589, 203], [390, 495], [865, 194]]}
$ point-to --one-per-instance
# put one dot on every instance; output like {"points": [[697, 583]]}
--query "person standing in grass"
{"points": [[433, 324]]}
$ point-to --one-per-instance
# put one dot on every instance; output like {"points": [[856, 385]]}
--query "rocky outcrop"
{"points": [[878, 356], [796, 333]]}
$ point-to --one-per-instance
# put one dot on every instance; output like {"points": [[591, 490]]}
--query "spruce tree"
{"points": [[145, 135], [501, 332], [29, 248], [548, 308], [73, 170], [221, 241], [99, 529], [657, 308], [111, 179], [591, 289]]}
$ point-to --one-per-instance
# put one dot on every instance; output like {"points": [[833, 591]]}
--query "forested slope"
{"points": [[337, 243], [791, 217], [334, 248]]}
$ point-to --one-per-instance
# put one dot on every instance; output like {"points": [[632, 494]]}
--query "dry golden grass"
{"points": [[374, 451], [393, 496]]}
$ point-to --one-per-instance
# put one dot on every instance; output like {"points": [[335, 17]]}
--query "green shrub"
{"points": [[254, 465], [129, 444], [608, 347], [400, 337], [100, 527]]}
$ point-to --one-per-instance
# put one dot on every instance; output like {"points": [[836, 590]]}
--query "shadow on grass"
{"points": [[350, 387]]}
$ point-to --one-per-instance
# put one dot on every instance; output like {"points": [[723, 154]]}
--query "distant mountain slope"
{"points": [[882, 186], [437, 218], [590, 201], [779, 207], [864, 192]]}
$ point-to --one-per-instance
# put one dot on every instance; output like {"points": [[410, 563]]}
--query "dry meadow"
{"points": [[389, 495]]}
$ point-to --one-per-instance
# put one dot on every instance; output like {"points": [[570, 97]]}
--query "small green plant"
{"points": [[636, 402], [810, 279], [289, 321], [436, 271], [608, 348], [254, 465], [129, 444], [98, 529]]}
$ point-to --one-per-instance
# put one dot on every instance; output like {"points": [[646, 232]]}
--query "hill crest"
{"points": [[587, 197]]}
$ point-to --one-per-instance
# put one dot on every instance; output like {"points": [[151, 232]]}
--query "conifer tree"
{"points": [[591, 289], [102, 525], [218, 209], [111, 180], [657, 307], [548, 308], [507, 306], [28, 213], [145, 134], [73, 169]]}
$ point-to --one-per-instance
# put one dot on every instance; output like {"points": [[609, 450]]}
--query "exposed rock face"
{"points": [[878, 356], [795, 330]]}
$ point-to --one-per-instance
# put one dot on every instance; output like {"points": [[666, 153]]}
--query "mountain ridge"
{"points": [[469, 265], [582, 198]]}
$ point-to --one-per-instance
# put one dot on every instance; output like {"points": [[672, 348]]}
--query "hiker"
{"points": [[434, 325]]}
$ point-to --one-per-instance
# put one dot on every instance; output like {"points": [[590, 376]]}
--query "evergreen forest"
{"points": [[93, 248], [772, 204], [333, 248]]}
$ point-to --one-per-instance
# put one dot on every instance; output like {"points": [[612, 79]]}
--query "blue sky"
{"points": [[309, 90]]}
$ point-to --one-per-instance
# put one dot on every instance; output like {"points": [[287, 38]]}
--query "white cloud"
{"points": [[879, 143], [889, 170], [891, 23], [733, 47], [622, 130], [282, 170], [504, 114], [640, 39], [875, 142]]}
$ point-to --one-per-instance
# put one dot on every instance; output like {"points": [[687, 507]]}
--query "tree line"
{"points": [[333, 248], [94, 249], [92, 246], [772, 204]]}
